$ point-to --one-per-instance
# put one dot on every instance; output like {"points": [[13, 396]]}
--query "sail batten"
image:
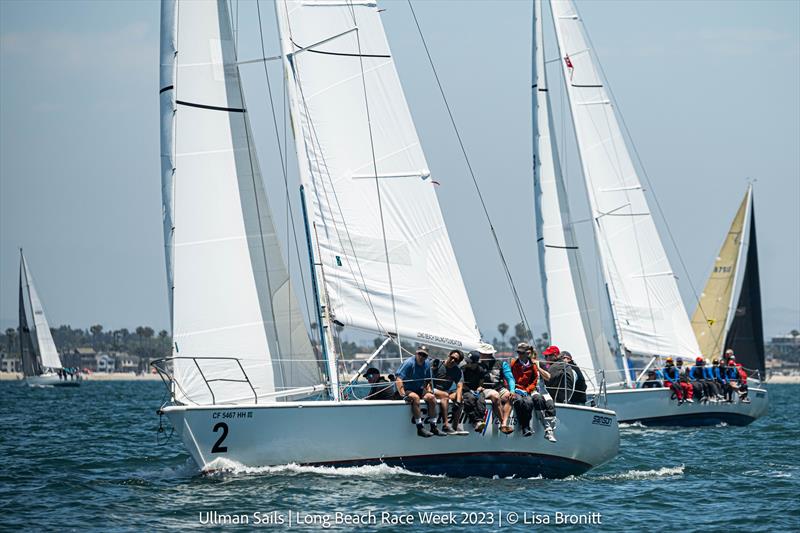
{"points": [[387, 264], [231, 296], [649, 315]]}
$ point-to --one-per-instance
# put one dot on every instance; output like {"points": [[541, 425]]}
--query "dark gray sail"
{"points": [[746, 333], [30, 361]]}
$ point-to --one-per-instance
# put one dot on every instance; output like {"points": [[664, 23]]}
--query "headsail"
{"points": [[30, 361], [746, 332], [714, 311], [230, 291], [572, 319], [48, 353], [388, 264], [649, 315]]}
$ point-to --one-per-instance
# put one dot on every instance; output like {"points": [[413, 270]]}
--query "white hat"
{"points": [[486, 349]]}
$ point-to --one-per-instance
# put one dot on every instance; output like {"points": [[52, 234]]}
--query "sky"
{"points": [[710, 92]]}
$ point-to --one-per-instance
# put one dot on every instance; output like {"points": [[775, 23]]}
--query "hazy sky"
{"points": [[709, 90]]}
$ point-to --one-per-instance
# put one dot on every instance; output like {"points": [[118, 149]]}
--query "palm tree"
{"points": [[11, 335], [502, 327]]}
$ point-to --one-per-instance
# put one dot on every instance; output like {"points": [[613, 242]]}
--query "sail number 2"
{"points": [[222, 427]]}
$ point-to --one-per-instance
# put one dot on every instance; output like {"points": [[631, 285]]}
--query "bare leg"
{"points": [[493, 396], [430, 399], [506, 408], [444, 399], [415, 411]]}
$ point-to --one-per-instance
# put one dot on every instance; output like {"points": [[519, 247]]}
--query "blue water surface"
{"points": [[88, 459]]}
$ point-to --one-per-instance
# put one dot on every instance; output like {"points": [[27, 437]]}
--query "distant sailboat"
{"points": [[728, 314], [642, 293], [247, 385], [41, 364]]}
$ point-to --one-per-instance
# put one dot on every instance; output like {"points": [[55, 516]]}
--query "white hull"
{"points": [[369, 432], [655, 407], [50, 380]]}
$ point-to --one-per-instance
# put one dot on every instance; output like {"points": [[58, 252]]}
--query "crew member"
{"points": [[526, 397], [445, 375], [414, 384]]}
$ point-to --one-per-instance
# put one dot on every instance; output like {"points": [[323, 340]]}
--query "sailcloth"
{"points": [[387, 262], [714, 311], [572, 319], [650, 318], [48, 353], [231, 295], [30, 361], [746, 331]]}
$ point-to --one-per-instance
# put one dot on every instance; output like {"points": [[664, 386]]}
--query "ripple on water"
{"points": [[96, 466]]}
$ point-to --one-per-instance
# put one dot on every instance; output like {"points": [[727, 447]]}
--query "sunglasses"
{"points": [[423, 355]]}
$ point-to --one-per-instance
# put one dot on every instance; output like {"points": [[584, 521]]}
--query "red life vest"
{"points": [[526, 378]]}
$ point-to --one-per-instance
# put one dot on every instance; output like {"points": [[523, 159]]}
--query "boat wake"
{"points": [[223, 467], [667, 471]]}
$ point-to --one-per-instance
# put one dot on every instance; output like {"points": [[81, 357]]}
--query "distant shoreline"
{"points": [[97, 376]]}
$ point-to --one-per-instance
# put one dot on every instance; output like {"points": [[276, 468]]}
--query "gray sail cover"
{"points": [[230, 291]]}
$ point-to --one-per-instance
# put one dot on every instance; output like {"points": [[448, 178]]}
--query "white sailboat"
{"points": [[246, 384], [648, 313], [41, 364]]}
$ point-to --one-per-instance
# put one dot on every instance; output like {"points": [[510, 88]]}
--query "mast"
{"points": [[322, 316], [571, 318], [649, 315]]}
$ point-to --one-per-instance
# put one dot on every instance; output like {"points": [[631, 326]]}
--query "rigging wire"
{"points": [[506, 270]]}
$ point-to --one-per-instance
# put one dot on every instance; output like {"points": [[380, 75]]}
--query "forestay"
{"points": [[572, 319], [647, 307], [48, 353], [230, 291], [387, 261]]}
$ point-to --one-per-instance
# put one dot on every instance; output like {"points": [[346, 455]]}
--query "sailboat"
{"points": [[246, 383], [41, 364], [649, 318], [728, 315]]}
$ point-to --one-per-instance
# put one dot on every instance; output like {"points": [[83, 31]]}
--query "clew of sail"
{"points": [[230, 291], [714, 312], [48, 353], [649, 315], [571, 315], [387, 262]]}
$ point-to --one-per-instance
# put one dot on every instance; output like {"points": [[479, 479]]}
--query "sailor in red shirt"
{"points": [[526, 397]]}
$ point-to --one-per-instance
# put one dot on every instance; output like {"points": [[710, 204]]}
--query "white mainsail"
{"points": [[230, 291], [649, 315], [387, 262], [572, 319], [48, 353]]}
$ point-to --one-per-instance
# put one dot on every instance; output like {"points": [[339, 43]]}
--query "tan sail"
{"points": [[711, 316]]}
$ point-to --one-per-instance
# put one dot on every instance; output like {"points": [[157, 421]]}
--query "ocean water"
{"points": [[88, 459]]}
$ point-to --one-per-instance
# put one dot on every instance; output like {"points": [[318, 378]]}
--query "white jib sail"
{"points": [[573, 322], [47, 347], [649, 315], [231, 295], [388, 264]]}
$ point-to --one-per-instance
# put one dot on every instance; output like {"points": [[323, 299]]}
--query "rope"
{"points": [[506, 270]]}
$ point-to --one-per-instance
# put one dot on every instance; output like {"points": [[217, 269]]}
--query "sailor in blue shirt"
{"points": [[414, 384]]}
